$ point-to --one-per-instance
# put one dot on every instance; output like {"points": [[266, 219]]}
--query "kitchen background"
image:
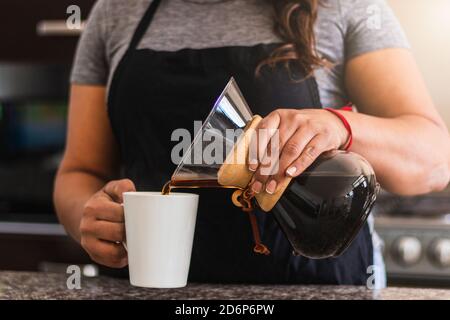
{"points": [[36, 51]]}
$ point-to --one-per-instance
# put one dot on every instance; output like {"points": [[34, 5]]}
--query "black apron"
{"points": [[155, 92]]}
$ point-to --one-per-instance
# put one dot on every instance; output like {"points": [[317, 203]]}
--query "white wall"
{"points": [[427, 25]]}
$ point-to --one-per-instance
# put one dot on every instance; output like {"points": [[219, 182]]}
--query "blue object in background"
{"points": [[34, 127]]}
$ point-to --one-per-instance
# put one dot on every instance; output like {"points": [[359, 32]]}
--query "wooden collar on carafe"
{"points": [[236, 173]]}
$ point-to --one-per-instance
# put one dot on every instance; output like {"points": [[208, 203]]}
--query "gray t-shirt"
{"points": [[344, 29]]}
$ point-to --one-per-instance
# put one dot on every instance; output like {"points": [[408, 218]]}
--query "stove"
{"points": [[416, 235]]}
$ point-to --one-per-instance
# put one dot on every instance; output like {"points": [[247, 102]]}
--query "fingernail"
{"points": [[271, 187], [256, 187], [291, 171]]}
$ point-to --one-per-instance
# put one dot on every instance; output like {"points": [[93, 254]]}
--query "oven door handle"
{"points": [[46, 28]]}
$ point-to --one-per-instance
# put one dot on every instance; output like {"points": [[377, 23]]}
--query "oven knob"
{"points": [[440, 252], [407, 251]]}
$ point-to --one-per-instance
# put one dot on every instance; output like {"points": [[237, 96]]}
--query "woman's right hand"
{"points": [[102, 226]]}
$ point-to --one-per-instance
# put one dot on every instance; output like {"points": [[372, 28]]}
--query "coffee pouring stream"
{"points": [[320, 212]]}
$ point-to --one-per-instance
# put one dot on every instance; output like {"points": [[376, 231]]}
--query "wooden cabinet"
{"points": [[19, 21]]}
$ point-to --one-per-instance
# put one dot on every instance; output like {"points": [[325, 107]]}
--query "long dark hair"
{"points": [[294, 24]]}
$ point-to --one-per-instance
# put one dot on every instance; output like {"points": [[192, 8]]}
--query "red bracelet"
{"points": [[346, 125]]}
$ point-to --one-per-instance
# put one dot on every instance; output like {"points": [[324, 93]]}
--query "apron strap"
{"points": [[144, 24]]}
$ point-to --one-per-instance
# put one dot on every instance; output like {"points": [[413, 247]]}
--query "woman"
{"points": [[145, 68]]}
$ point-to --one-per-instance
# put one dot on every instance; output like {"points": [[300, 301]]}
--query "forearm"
{"points": [[410, 154], [72, 190]]}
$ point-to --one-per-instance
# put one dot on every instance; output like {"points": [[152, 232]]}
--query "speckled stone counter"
{"points": [[28, 285]]}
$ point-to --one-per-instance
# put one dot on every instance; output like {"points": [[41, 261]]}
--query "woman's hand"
{"points": [[102, 226], [303, 135]]}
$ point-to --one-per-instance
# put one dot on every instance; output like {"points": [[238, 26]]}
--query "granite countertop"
{"points": [[30, 285]]}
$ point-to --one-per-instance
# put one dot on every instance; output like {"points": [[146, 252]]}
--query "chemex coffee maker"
{"points": [[320, 212]]}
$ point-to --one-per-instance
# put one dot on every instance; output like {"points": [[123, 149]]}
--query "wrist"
{"points": [[345, 130]]}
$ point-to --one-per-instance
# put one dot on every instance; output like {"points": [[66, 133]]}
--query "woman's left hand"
{"points": [[303, 136]]}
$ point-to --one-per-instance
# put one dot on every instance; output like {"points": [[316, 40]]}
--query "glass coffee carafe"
{"points": [[320, 212]]}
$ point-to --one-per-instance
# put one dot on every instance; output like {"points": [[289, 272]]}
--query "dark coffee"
{"points": [[190, 184], [320, 215]]}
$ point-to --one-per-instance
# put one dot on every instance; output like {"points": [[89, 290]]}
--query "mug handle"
{"points": [[124, 243]]}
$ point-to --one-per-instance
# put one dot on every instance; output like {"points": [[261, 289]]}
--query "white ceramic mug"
{"points": [[160, 232]]}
